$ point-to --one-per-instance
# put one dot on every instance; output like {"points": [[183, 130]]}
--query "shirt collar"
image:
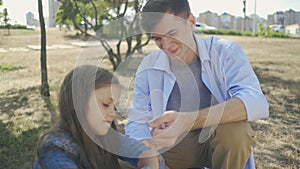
{"points": [[202, 48], [163, 62]]}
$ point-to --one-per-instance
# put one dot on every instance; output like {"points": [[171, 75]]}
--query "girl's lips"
{"points": [[174, 51], [108, 121]]}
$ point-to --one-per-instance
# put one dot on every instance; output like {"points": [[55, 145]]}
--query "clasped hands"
{"points": [[168, 127]]}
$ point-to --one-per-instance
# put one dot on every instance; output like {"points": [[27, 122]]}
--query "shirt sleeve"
{"points": [[131, 149], [139, 113], [55, 158], [241, 82]]}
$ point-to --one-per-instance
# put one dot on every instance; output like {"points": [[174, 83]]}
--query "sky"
{"points": [[17, 9]]}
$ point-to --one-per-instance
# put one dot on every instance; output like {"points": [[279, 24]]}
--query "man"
{"points": [[196, 94]]}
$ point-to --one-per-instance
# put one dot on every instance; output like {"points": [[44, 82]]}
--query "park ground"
{"points": [[25, 114]]}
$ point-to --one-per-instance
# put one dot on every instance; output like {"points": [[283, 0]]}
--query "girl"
{"points": [[85, 136]]}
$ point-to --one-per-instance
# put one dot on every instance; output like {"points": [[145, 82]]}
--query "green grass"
{"points": [[18, 32], [17, 143], [8, 67], [26, 32], [21, 126]]}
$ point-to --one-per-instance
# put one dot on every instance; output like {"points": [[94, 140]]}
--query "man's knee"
{"points": [[234, 135]]}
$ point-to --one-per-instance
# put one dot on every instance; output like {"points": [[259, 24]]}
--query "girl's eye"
{"points": [[105, 105], [156, 38], [172, 33], [115, 108]]}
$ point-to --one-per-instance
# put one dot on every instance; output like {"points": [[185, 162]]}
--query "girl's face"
{"points": [[102, 108]]}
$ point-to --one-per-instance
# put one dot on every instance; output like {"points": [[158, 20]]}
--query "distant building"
{"points": [[241, 24], [258, 20], [29, 18], [209, 18], [227, 21], [249, 24], [292, 29], [289, 17], [53, 6], [279, 18], [30, 21], [238, 24]]}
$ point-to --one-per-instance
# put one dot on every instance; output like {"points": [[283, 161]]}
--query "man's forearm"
{"points": [[232, 110]]}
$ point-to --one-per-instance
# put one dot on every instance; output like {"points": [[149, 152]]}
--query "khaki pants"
{"points": [[229, 147]]}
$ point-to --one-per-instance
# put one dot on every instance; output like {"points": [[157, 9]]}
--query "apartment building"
{"points": [[53, 6], [284, 18], [210, 18], [226, 21]]}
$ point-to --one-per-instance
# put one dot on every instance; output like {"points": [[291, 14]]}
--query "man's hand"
{"points": [[149, 158], [166, 119], [169, 126]]}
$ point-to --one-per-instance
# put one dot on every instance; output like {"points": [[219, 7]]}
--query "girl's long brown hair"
{"points": [[73, 100]]}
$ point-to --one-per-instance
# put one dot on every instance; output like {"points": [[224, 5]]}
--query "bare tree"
{"points": [[94, 12], [44, 79]]}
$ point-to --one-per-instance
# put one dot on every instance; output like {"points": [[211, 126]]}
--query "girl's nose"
{"points": [[166, 43], [112, 113]]}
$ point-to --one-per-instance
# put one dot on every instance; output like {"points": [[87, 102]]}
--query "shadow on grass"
{"points": [[19, 133], [279, 83], [283, 97], [13, 100], [17, 150], [77, 36], [50, 107]]}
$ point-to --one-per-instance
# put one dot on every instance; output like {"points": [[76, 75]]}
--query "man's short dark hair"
{"points": [[179, 8]]}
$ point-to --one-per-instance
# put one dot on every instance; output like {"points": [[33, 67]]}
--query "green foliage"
{"points": [[278, 35], [220, 32], [263, 32], [17, 26], [266, 32], [7, 67], [248, 34], [68, 13], [92, 15]]}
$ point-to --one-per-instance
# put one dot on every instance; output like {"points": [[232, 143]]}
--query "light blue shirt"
{"points": [[226, 72]]}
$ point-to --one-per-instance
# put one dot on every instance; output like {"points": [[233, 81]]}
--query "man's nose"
{"points": [[166, 43]]}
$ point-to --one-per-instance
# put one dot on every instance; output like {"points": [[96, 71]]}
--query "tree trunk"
{"points": [[44, 78]]}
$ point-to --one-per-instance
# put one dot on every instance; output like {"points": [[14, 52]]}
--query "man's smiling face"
{"points": [[174, 36]]}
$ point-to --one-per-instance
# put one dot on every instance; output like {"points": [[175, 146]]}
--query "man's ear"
{"points": [[191, 19]]}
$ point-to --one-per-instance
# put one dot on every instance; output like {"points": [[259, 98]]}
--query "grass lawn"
{"points": [[24, 114]]}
